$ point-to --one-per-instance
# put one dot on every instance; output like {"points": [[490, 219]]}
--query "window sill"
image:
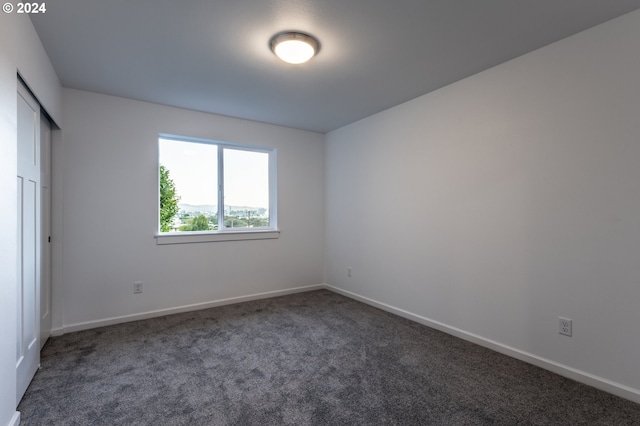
{"points": [[210, 237]]}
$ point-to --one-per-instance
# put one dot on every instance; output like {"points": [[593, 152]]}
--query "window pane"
{"points": [[246, 189], [193, 169]]}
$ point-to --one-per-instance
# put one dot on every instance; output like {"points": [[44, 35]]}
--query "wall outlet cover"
{"points": [[566, 326]]}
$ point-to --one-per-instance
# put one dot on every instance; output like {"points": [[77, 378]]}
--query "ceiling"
{"points": [[213, 55]]}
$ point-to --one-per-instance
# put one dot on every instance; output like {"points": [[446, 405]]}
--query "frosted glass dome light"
{"points": [[294, 47]]}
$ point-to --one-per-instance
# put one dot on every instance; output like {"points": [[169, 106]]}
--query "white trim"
{"points": [[220, 191], [601, 383], [208, 237], [15, 420], [273, 189], [186, 308]]}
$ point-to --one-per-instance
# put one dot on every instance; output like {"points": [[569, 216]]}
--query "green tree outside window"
{"points": [[168, 200]]}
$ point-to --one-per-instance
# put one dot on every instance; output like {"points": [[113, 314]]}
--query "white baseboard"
{"points": [[186, 308], [15, 420], [561, 369]]}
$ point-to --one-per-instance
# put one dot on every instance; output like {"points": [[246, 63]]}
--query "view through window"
{"points": [[208, 186]]}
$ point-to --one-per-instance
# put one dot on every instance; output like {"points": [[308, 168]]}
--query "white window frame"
{"points": [[224, 234]]}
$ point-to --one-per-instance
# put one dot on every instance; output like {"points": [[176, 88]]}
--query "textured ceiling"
{"points": [[213, 55]]}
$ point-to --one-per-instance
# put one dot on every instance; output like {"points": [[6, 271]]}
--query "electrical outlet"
{"points": [[137, 287], [566, 326], [349, 271]]}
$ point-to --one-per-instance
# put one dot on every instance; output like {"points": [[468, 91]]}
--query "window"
{"points": [[215, 191]]}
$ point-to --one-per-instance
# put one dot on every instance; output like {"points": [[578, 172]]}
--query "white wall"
{"points": [[109, 192], [20, 50], [503, 201]]}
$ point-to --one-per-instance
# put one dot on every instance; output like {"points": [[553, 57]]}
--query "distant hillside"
{"points": [[210, 208], [194, 208]]}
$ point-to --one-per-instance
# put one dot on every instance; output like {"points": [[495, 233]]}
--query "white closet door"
{"points": [[29, 241]]}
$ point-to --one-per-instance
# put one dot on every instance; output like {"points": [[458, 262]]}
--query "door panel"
{"points": [[29, 241]]}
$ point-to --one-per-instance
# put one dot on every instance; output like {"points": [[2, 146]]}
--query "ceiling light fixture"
{"points": [[294, 47]]}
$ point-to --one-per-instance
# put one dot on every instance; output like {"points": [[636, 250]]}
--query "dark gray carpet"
{"points": [[310, 358]]}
